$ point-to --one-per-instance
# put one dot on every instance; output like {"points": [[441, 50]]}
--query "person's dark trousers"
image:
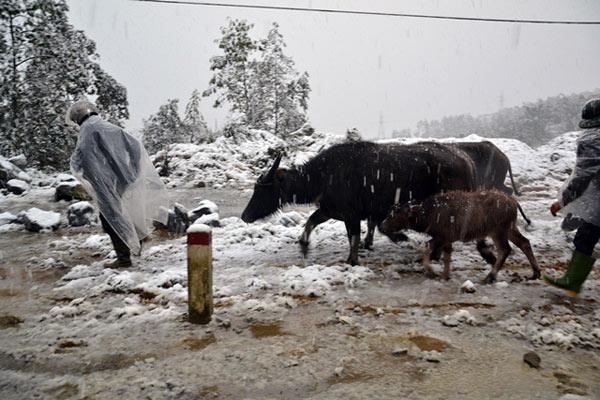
{"points": [[586, 238], [122, 250]]}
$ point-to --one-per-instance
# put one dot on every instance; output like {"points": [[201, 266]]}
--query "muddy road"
{"points": [[400, 335]]}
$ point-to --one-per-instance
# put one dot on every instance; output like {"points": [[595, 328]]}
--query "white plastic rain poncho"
{"points": [[116, 171], [580, 195]]}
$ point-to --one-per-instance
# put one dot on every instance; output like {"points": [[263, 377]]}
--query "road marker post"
{"points": [[199, 256]]}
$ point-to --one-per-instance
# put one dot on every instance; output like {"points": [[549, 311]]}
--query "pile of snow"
{"points": [[237, 161]]}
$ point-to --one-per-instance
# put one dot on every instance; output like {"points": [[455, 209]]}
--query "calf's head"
{"points": [[398, 218], [266, 198]]}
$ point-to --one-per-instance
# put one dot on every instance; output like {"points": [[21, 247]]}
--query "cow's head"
{"points": [[266, 198], [399, 218]]}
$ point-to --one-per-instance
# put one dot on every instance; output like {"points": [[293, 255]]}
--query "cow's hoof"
{"points": [[489, 279], [446, 277], [351, 261], [304, 247], [366, 246], [536, 275], [430, 274]]}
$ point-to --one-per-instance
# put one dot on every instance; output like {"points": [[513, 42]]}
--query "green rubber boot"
{"points": [[579, 268]]}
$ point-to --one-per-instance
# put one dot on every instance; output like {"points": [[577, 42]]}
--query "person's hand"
{"points": [[555, 207]]}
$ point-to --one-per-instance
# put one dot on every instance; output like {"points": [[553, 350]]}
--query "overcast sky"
{"points": [[370, 72]]}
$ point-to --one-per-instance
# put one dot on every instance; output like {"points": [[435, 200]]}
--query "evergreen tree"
{"points": [[533, 123], [285, 92], [163, 128], [234, 70], [194, 124], [47, 65], [258, 80]]}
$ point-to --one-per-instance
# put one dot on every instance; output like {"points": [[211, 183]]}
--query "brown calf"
{"points": [[463, 216]]}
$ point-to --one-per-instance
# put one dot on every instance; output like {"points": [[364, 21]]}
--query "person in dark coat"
{"points": [[579, 199], [116, 171]]}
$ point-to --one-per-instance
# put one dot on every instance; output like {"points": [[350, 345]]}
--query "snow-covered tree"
{"points": [[46, 66], [285, 92], [234, 69], [194, 124], [258, 80], [163, 128]]}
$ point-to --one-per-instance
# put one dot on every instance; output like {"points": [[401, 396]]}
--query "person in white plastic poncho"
{"points": [[579, 199], [116, 171]]}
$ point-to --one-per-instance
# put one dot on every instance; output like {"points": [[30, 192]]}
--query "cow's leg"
{"points": [[447, 257], [353, 231], [501, 186], [485, 252], [315, 219], [522, 243], [368, 243], [504, 250]]}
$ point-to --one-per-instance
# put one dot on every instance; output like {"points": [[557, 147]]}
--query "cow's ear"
{"points": [[280, 174]]}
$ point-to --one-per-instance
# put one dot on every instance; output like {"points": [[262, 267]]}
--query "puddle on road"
{"points": [[59, 365], [208, 392], [10, 321], [428, 343], [455, 305], [10, 292], [64, 391], [68, 346], [351, 377], [267, 330], [145, 296], [196, 343]]}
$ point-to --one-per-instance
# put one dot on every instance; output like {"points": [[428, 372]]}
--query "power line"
{"points": [[371, 13]]}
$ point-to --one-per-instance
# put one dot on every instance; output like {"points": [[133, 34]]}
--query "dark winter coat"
{"points": [[580, 195]]}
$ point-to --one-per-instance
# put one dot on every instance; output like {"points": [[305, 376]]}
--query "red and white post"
{"points": [[200, 297]]}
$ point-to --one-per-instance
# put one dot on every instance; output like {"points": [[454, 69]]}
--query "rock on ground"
{"points": [[10, 171], [7, 218], [36, 220], [81, 213], [17, 186]]}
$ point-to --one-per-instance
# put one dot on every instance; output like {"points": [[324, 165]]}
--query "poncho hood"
{"points": [[116, 171]]}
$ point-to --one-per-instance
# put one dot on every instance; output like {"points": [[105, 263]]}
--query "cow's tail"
{"points": [[523, 214], [517, 193]]}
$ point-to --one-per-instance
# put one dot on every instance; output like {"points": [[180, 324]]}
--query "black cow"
{"points": [[491, 165], [354, 181]]}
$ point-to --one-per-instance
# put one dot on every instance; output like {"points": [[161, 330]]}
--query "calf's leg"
{"points": [[521, 241], [315, 219], [447, 257], [485, 252], [504, 250], [427, 252]]}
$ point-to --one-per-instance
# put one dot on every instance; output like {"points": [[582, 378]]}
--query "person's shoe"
{"points": [[579, 268], [118, 263]]}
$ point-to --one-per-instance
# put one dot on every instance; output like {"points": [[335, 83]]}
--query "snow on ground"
{"points": [[238, 161], [258, 268]]}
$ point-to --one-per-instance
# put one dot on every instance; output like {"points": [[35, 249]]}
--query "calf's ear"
{"points": [[415, 209]]}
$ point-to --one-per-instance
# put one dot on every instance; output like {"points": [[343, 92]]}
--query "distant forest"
{"points": [[533, 123]]}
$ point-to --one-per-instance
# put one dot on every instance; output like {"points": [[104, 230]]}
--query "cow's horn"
{"points": [[271, 172]]}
